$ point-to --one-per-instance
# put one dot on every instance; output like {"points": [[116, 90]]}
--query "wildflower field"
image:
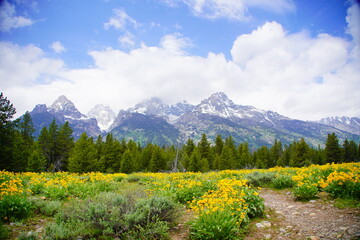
{"points": [[148, 205]]}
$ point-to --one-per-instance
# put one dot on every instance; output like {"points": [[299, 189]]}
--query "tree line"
{"points": [[56, 150]]}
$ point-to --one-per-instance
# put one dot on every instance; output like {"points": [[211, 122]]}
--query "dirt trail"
{"points": [[316, 219]]}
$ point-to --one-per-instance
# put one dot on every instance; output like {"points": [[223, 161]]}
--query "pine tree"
{"points": [[219, 144], [300, 155], [157, 162], [349, 151], [189, 147], [37, 160], [126, 165], [7, 111], [195, 161], [83, 156], [65, 143], [20, 155], [276, 154], [332, 149], [262, 157], [99, 144], [244, 156], [204, 147], [54, 150], [145, 158], [44, 143]]}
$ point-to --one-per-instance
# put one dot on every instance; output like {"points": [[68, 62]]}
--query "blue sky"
{"points": [[299, 58]]}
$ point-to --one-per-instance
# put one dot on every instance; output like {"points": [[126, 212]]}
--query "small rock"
{"points": [[341, 216], [282, 230], [289, 227], [266, 223], [312, 201], [39, 230], [268, 236], [312, 214], [267, 216], [259, 225], [290, 206], [296, 213], [43, 198], [279, 212], [288, 193], [314, 238], [343, 228]]}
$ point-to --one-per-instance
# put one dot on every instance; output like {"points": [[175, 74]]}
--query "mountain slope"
{"points": [[153, 121], [63, 110], [347, 124], [144, 129]]}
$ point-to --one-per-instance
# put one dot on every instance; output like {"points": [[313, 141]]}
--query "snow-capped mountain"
{"points": [[220, 105], [155, 107], [104, 116], [66, 108], [154, 121], [348, 124], [63, 110]]}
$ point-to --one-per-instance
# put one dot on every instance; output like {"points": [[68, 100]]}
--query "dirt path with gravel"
{"points": [[315, 219]]}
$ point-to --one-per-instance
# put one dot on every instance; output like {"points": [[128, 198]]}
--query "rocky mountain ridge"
{"points": [[154, 121]]}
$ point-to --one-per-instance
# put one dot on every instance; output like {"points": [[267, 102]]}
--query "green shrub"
{"points": [[215, 225], [306, 191], [157, 208], [282, 181], [14, 207], [111, 215], [46, 207], [260, 179], [4, 231], [254, 203]]}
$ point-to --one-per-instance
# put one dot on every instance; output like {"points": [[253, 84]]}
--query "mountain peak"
{"points": [[150, 106], [61, 103], [104, 116], [67, 108]]}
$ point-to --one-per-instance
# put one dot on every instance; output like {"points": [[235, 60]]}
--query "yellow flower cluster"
{"points": [[10, 184], [229, 195], [11, 187]]}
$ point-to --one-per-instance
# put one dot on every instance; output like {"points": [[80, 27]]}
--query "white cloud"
{"points": [[57, 47], [353, 20], [175, 43], [8, 18], [127, 40], [120, 20], [297, 75], [232, 9]]}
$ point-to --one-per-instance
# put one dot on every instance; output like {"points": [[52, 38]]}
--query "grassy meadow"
{"points": [[219, 205]]}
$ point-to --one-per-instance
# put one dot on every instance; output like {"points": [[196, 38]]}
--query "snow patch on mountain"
{"points": [[104, 116]]}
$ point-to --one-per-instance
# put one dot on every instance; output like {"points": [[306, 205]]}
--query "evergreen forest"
{"points": [[56, 150]]}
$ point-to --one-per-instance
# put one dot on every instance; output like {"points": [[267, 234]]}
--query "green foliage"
{"points": [[215, 225], [4, 231], [282, 181], [332, 149], [114, 215], [305, 191], [255, 203], [260, 179], [47, 207], [344, 189], [15, 207], [83, 156], [342, 203]]}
